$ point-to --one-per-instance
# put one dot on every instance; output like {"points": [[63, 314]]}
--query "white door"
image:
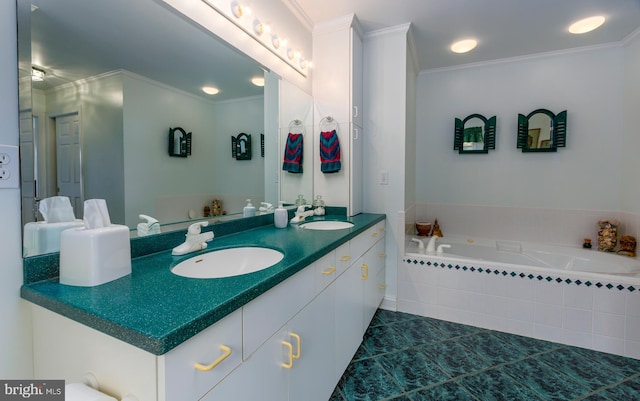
{"points": [[27, 166], [69, 167]]}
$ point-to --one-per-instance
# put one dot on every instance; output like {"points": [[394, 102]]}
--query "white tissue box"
{"points": [[90, 257], [42, 237]]}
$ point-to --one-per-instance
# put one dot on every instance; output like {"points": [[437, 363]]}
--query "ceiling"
{"points": [[77, 39], [503, 28]]}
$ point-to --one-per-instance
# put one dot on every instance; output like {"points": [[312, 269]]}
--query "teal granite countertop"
{"points": [[156, 310]]}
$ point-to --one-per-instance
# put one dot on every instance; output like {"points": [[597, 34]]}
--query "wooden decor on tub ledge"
{"points": [[627, 246]]}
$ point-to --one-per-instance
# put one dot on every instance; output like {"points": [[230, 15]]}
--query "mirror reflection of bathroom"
{"points": [[540, 129], [473, 134], [136, 184]]}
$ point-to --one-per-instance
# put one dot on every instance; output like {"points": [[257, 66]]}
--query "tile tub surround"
{"points": [[405, 357], [156, 310], [597, 313]]}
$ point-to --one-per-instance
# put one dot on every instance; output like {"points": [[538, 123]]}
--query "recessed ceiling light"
{"points": [[37, 74], [463, 46], [210, 90], [587, 24], [257, 81]]}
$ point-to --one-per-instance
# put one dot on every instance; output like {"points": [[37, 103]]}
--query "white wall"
{"points": [[584, 175], [15, 325], [629, 188]]}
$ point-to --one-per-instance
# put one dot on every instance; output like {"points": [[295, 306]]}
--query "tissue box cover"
{"points": [[96, 256], [42, 237]]}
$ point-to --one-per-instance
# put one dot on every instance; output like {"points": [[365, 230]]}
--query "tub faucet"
{"points": [[195, 240], [441, 247], [420, 244], [431, 246]]}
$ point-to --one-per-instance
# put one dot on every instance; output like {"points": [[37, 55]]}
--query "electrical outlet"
{"points": [[4, 158], [9, 167]]}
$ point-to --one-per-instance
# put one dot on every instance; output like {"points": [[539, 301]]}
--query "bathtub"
{"points": [[569, 295], [531, 256]]}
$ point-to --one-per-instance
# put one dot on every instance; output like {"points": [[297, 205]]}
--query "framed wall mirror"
{"points": [[474, 134], [120, 95], [542, 131]]}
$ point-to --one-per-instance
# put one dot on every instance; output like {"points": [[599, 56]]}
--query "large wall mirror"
{"points": [[117, 75], [542, 131]]}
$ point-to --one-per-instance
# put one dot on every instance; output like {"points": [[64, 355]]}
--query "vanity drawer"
{"points": [[325, 271], [363, 242], [216, 351]]}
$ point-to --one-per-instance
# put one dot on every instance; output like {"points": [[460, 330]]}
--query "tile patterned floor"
{"points": [[405, 357]]}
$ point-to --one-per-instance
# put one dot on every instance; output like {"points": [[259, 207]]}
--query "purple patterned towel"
{"points": [[330, 152], [293, 154]]}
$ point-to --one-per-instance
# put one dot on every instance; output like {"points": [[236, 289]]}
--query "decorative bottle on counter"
{"points": [[280, 216]]}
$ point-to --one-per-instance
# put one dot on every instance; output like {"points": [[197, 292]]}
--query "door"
{"points": [[27, 166], [69, 161]]}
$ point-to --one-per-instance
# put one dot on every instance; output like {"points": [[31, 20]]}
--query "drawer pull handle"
{"points": [[345, 258], [383, 286], [330, 270], [374, 235], [366, 271], [297, 337], [382, 254], [226, 351], [382, 229], [290, 347]]}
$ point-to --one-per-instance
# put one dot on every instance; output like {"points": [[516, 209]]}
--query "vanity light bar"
{"points": [[241, 16]]}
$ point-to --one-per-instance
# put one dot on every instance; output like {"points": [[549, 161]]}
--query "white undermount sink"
{"points": [[327, 225], [228, 262]]}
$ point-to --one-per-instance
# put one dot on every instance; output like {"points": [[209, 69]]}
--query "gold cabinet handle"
{"points": [[297, 337], [382, 286], [382, 229], [366, 271], [226, 351], [330, 270], [290, 347], [345, 258], [382, 255], [374, 234]]}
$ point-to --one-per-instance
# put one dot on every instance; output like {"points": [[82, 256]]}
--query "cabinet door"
{"points": [[356, 79], [373, 279], [348, 316], [261, 377], [312, 376], [191, 369]]}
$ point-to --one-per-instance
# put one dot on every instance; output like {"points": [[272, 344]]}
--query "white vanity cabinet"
{"points": [[291, 343]]}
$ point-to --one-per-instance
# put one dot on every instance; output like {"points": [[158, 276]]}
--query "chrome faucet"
{"points": [[195, 240]]}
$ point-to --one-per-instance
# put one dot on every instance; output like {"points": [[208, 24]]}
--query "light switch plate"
{"points": [[9, 167]]}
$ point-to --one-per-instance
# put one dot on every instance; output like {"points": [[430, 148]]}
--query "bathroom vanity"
{"points": [[286, 332]]}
